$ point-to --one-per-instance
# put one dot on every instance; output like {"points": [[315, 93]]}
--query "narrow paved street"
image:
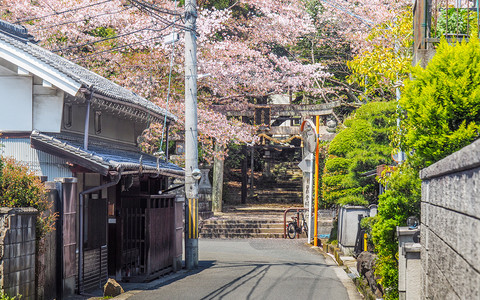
{"points": [[255, 269]]}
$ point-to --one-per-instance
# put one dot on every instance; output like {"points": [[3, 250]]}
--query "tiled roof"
{"points": [[18, 37], [101, 158]]}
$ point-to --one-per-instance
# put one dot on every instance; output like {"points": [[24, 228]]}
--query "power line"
{"points": [[365, 21], [172, 56], [78, 21], [155, 8], [116, 48], [152, 10], [62, 12], [108, 38]]}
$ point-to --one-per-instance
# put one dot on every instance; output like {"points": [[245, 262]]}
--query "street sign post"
{"points": [[306, 165], [310, 142]]}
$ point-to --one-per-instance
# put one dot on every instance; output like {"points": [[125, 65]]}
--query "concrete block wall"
{"points": [[17, 255], [409, 264], [348, 224], [450, 226]]}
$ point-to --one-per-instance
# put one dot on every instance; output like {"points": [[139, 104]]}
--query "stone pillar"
{"points": [[406, 237], [217, 188], [413, 272], [205, 194], [17, 249]]}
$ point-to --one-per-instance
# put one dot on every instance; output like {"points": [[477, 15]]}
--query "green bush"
{"points": [[21, 188], [4, 296], [400, 201], [460, 21], [360, 147], [441, 115], [442, 103]]}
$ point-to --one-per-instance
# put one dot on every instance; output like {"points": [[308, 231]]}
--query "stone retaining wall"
{"points": [[450, 226], [17, 251]]}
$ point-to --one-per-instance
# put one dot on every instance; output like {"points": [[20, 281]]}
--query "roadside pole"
{"points": [[310, 142], [310, 196], [191, 135], [315, 221]]}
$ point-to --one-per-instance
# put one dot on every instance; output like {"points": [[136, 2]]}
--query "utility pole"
{"points": [[317, 154], [192, 174]]}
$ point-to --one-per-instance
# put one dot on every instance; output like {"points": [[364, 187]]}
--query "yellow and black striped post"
{"points": [[191, 234], [192, 217]]}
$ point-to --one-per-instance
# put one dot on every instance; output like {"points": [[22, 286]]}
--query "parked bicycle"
{"points": [[295, 226]]}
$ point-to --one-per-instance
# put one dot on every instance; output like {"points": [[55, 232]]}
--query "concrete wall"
{"points": [[450, 226], [348, 224], [409, 264], [17, 245]]}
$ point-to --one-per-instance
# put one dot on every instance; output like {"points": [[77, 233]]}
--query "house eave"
{"points": [[39, 68]]}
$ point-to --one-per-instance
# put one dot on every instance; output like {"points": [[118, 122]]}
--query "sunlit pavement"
{"points": [[255, 269]]}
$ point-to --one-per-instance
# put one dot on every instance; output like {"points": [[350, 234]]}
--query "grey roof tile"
{"points": [[109, 158], [18, 37]]}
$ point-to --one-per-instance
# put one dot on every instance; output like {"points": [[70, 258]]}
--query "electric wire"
{"points": [[61, 12], [365, 21], [94, 54], [123, 46], [156, 8], [155, 15], [78, 21], [107, 38], [172, 56]]}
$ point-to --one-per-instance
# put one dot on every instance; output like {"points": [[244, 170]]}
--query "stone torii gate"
{"points": [[280, 124]]}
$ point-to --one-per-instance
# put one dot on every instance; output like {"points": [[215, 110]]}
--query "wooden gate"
{"points": [[148, 237]]}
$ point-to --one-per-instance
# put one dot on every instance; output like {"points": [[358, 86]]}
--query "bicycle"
{"points": [[293, 227]]}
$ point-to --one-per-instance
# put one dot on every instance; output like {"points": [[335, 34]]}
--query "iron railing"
{"points": [[452, 19]]}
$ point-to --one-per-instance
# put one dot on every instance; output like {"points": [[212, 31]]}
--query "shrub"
{"points": [[21, 188], [400, 201], [442, 103], [358, 148]]}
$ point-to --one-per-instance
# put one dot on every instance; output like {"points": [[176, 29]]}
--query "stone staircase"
{"points": [[252, 221], [228, 229]]}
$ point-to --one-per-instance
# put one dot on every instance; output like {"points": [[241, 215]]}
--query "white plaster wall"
{"points": [[16, 103]]}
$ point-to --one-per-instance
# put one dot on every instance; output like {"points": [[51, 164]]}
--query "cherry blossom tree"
{"points": [[243, 48]]}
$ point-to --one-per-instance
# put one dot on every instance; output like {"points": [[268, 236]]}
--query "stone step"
{"points": [[242, 222], [273, 190], [242, 231], [241, 235], [244, 226], [244, 235]]}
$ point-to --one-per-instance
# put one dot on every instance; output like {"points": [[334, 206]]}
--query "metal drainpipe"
{"points": [[80, 227], [166, 142], [87, 120], [424, 25]]}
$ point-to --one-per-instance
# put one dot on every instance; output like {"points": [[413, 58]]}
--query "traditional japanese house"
{"points": [[80, 131]]}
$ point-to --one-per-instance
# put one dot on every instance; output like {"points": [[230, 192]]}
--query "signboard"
{"points": [[262, 115], [306, 164], [309, 136]]}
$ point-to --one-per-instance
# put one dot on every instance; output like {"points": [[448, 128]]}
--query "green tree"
{"points": [[388, 61], [358, 148]]}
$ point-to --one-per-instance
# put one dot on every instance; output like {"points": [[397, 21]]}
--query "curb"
{"points": [[342, 273]]}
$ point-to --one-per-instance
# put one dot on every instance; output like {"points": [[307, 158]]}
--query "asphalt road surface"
{"points": [[255, 269]]}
